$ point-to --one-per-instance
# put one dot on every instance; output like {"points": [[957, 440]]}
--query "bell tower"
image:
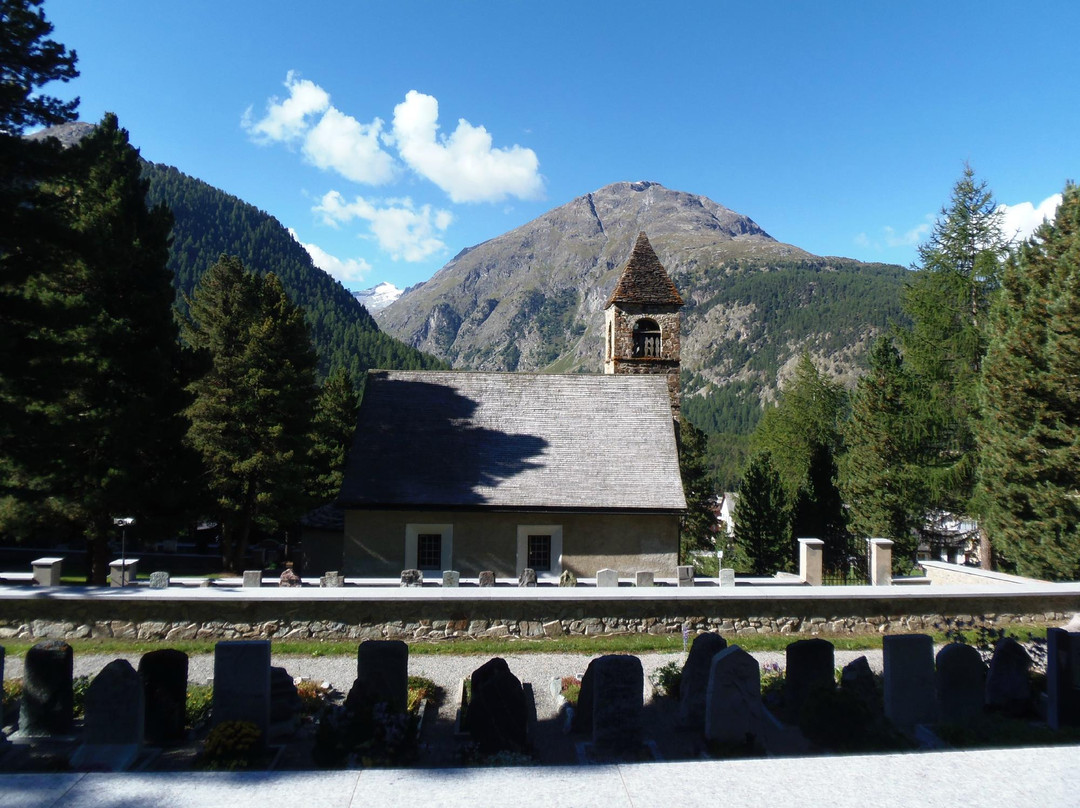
{"points": [[642, 320]]}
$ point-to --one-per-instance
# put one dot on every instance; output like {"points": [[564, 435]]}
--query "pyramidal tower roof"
{"points": [[644, 279]]}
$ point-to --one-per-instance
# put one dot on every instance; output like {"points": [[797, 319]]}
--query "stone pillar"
{"points": [[47, 571], [881, 562], [122, 572], [810, 557]]}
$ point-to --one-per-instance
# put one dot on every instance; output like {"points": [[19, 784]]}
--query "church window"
{"points": [[429, 551], [647, 339], [539, 553]]}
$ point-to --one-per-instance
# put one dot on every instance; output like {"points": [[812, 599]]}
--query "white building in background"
{"points": [[726, 512]]}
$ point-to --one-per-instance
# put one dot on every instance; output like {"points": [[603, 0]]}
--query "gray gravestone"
{"points": [[809, 666], [114, 719], [332, 580], [685, 575], [498, 711], [695, 678], [961, 684], [618, 685], [527, 577], [727, 577], [1008, 682], [46, 706], [487, 578], [285, 704], [1062, 678], [909, 679], [242, 683], [644, 578], [607, 578], [451, 578], [253, 578], [412, 578], [159, 580], [289, 578], [858, 681], [382, 672], [164, 676], [733, 709], [567, 578]]}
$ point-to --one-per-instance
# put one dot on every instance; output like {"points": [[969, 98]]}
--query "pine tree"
{"points": [[253, 406], [697, 528], [1029, 462], [29, 60], [878, 481], [332, 434], [762, 528]]}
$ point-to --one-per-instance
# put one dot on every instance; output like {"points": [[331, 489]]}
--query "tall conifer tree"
{"points": [[762, 527]]}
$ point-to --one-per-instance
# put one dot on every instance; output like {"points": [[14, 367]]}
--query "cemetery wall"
{"points": [[432, 614], [940, 572]]}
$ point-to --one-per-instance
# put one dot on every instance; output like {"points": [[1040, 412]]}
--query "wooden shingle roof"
{"points": [[644, 279], [515, 441]]}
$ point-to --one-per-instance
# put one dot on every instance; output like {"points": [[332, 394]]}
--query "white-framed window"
{"points": [[429, 548], [537, 545]]}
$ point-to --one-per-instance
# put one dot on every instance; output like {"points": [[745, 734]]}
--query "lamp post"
{"points": [[122, 522]]}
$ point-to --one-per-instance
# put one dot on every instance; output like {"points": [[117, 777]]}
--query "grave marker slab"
{"points": [[527, 577], [733, 709], [487, 578], [961, 684], [242, 683], [567, 578], [1062, 678], [618, 685], [46, 706], [164, 675], [1008, 682], [114, 719], [498, 711], [858, 680], [412, 578], [685, 575], [122, 572], [382, 672], [47, 571], [451, 578], [607, 578], [695, 678], [909, 679], [159, 580], [644, 578], [727, 577], [253, 578], [809, 666], [332, 580]]}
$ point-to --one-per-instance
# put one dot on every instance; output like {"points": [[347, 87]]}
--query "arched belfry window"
{"points": [[647, 339]]}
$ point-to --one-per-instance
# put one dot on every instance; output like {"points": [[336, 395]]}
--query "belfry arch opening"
{"points": [[648, 341]]}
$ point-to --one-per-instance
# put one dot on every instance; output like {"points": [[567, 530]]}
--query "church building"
{"points": [[475, 471]]}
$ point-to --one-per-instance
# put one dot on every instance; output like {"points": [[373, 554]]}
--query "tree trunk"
{"points": [[986, 552], [97, 547]]}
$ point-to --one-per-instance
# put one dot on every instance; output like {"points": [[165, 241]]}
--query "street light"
{"points": [[122, 522]]}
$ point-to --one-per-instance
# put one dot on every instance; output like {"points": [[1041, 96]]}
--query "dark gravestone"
{"points": [[857, 680], [583, 715], [242, 683], [487, 578], [1008, 683], [809, 667], [617, 702], [527, 577], [285, 705], [114, 719], [733, 710], [695, 678], [164, 676], [47, 696], [909, 679], [498, 711], [382, 673], [1062, 678], [961, 684]]}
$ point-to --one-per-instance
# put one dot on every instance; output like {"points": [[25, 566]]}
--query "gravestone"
{"points": [[727, 577], [498, 711], [1062, 678], [253, 578], [242, 683], [47, 571], [164, 676], [961, 684], [46, 706], [644, 578], [618, 684], [809, 666], [909, 679], [857, 680], [123, 571], [1008, 682], [607, 578], [285, 705], [733, 709], [527, 577], [412, 578], [451, 578], [695, 678], [685, 574], [382, 673], [289, 578], [114, 719], [332, 580], [159, 580], [567, 578], [487, 578]]}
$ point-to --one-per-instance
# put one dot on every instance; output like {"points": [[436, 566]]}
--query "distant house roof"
{"points": [[644, 279], [514, 440]]}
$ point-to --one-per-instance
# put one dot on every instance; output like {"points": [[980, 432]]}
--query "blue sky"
{"points": [[389, 136]]}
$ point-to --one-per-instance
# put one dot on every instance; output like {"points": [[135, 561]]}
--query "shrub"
{"points": [[313, 696], [570, 688], [79, 686], [667, 678], [200, 703], [232, 745], [12, 696]]}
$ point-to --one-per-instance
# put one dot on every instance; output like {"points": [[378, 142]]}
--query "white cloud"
{"points": [[1020, 221], [401, 229], [287, 120], [335, 141], [350, 271], [464, 165], [890, 238]]}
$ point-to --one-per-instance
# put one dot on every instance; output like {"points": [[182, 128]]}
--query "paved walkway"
{"points": [[1007, 778]]}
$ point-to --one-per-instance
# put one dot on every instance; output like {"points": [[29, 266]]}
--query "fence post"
{"points": [[881, 562], [810, 555]]}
